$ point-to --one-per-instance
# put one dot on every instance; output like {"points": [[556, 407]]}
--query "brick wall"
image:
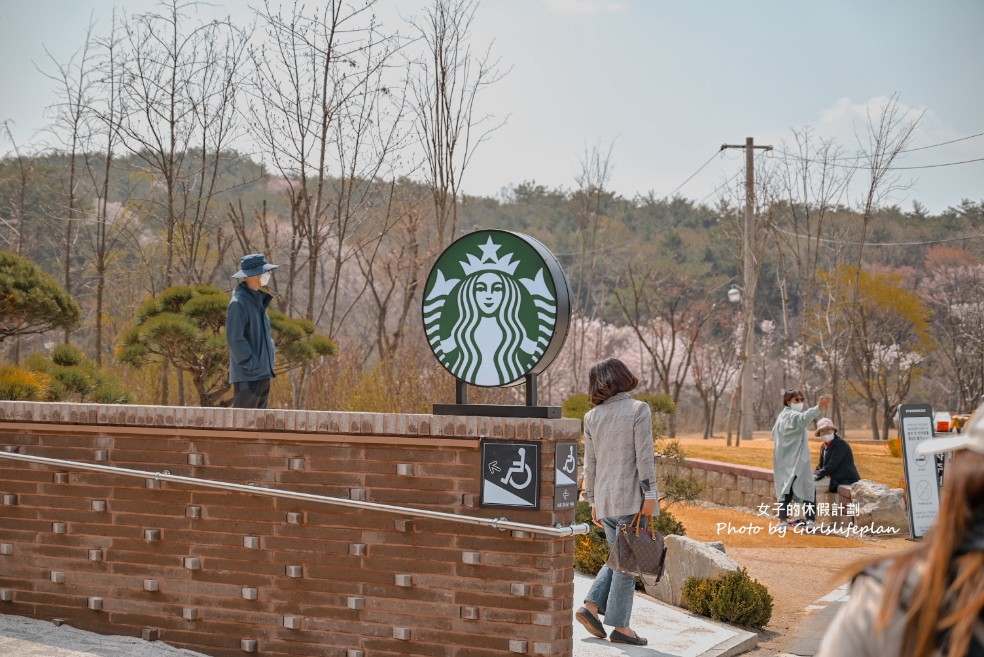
{"points": [[228, 573]]}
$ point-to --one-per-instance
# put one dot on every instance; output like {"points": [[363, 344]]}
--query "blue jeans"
{"points": [[613, 591]]}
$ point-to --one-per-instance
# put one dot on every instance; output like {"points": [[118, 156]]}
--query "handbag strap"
{"points": [[636, 522]]}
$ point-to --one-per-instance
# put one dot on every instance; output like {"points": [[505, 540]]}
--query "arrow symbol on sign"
{"points": [[567, 494], [494, 467]]}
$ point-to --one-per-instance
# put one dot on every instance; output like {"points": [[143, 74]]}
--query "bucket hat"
{"points": [[972, 438], [825, 423], [253, 264]]}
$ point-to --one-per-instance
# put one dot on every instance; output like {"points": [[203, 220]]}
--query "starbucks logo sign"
{"points": [[496, 308]]}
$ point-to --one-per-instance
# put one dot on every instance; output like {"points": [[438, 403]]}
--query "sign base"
{"points": [[498, 410]]}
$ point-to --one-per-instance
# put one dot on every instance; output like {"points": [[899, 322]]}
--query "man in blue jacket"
{"points": [[248, 334]]}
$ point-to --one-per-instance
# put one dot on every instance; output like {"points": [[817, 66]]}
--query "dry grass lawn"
{"points": [[873, 460]]}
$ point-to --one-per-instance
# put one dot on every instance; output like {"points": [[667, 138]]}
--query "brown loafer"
{"points": [[618, 637], [590, 623]]}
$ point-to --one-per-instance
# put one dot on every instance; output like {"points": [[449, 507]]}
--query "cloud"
{"points": [[565, 7], [846, 120]]}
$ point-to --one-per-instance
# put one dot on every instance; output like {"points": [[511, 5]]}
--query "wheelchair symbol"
{"points": [[516, 468], [571, 463]]}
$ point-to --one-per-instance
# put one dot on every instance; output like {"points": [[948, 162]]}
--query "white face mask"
{"points": [[827, 437], [798, 406], [264, 279]]}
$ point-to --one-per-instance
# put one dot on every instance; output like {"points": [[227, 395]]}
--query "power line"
{"points": [[691, 177], [857, 158], [852, 243], [942, 143]]}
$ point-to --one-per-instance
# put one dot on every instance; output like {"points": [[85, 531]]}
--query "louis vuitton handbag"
{"points": [[638, 550]]}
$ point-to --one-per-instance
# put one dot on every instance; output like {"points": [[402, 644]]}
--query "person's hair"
{"points": [[609, 377], [948, 595], [789, 394]]}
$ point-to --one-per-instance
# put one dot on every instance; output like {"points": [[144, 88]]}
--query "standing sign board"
{"points": [[565, 476], [495, 311], [921, 485], [510, 474]]}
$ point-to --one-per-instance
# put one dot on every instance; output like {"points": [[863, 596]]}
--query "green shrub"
{"points": [[22, 385], [731, 598], [591, 549], [666, 524]]}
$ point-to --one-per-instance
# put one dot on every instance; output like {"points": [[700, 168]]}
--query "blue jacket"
{"points": [[249, 336]]}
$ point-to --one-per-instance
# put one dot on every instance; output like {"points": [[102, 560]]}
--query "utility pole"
{"points": [[748, 296]]}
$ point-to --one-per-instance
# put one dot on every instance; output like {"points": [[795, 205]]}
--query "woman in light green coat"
{"points": [[792, 471]]}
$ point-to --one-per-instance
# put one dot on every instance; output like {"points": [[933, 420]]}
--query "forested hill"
{"points": [[648, 276]]}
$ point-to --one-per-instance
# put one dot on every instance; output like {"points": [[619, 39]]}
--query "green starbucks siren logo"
{"points": [[496, 308]]}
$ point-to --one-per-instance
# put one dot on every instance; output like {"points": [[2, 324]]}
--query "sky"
{"points": [[662, 84]]}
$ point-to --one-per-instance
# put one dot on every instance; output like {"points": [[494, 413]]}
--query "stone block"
{"points": [[98, 505], [295, 464], [151, 585], [190, 614], [403, 579], [403, 525], [402, 633], [95, 604], [249, 593], [58, 577], [150, 634], [60, 478], [735, 498], [687, 558], [714, 479], [295, 517], [880, 506], [473, 558], [9, 499], [196, 459], [247, 645], [192, 563], [6, 548], [294, 571], [6, 595], [357, 549], [469, 613], [95, 555], [251, 542], [355, 602], [152, 535], [519, 589], [292, 622], [404, 469], [518, 646], [729, 481], [193, 511]]}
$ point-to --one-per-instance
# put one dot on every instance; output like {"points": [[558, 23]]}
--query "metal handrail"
{"points": [[501, 524]]}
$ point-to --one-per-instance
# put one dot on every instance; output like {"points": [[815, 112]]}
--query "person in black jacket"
{"points": [[836, 457], [251, 348]]}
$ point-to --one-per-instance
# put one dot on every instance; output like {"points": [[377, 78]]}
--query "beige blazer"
{"points": [[619, 466]]}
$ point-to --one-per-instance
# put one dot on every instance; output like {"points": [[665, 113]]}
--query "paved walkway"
{"points": [[671, 633]]}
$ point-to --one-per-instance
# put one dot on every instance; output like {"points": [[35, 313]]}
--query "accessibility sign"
{"points": [[565, 476], [510, 474]]}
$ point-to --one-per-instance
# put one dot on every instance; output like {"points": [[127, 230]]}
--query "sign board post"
{"points": [[510, 474], [921, 475], [565, 476]]}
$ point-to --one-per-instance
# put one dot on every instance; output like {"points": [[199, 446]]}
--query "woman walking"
{"points": [[929, 600], [619, 481]]}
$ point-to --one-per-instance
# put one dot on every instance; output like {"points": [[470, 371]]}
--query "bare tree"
{"points": [[104, 236], [179, 88], [331, 123], [715, 366], [449, 77], [667, 316], [70, 125]]}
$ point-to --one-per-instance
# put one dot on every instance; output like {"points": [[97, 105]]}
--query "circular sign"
{"points": [[496, 308]]}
